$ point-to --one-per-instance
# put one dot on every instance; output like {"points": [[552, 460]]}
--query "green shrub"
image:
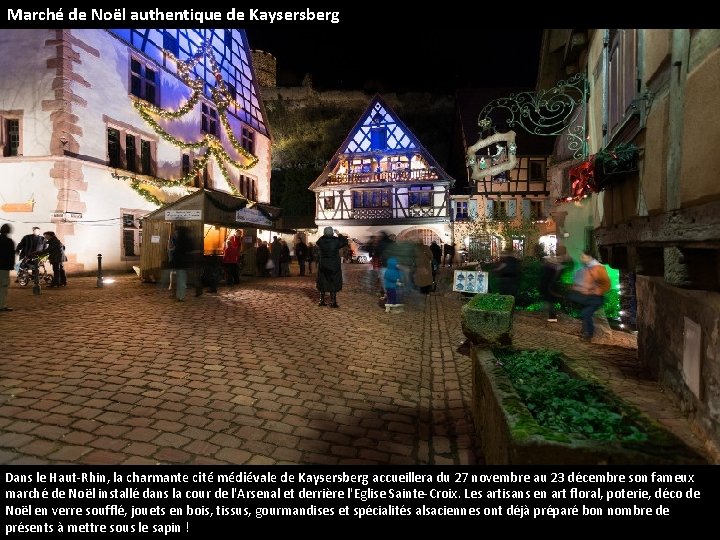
{"points": [[492, 302], [562, 403]]}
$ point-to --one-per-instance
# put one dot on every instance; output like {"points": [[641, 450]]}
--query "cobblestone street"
{"points": [[257, 374]]}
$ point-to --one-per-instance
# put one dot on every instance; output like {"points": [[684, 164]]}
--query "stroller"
{"points": [[27, 267]]}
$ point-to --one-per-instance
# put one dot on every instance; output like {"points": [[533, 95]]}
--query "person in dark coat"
{"points": [[56, 255], [183, 260], [30, 245], [436, 251], [261, 258], [329, 276], [550, 285], [508, 272], [301, 254], [7, 263]]}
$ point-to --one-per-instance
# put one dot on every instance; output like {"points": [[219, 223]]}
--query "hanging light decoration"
{"points": [[222, 100]]}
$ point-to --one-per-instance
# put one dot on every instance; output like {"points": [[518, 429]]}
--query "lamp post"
{"points": [[36, 278], [99, 272]]}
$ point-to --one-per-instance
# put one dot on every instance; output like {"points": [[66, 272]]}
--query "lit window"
{"points": [[500, 209], [419, 195], [131, 233], [461, 210], [371, 199]]}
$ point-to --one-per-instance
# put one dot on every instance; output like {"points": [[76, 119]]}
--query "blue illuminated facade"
{"points": [[231, 51]]}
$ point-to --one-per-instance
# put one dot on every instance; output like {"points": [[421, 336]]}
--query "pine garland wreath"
{"points": [[222, 100]]}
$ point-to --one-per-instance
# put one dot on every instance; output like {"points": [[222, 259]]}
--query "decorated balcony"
{"points": [[368, 177]]}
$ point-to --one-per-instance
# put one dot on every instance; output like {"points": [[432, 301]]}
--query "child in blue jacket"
{"points": [[394, 280]]}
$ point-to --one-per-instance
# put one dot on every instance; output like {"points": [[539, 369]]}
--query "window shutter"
{"points": [[512, 208], [489, 209], [472, 209], [2, 132], [526, 209]]}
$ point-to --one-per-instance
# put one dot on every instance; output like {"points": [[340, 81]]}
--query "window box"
{"points": [[510, 434], [612, 166]]}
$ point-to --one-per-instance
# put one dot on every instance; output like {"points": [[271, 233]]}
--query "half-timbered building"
{"points": [[382, 178]]}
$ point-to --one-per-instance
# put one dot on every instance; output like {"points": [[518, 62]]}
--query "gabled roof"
{"points": [[399, 140]]}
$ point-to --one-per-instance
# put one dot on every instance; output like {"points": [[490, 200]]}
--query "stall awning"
{"points": [[214, 207]]}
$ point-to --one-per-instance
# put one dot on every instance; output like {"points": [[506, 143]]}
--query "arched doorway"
{"points": [[426, 236]]}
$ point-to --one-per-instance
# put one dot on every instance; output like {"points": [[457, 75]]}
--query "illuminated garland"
{"points": [[222, 100], [135, 184], [236, 144]]}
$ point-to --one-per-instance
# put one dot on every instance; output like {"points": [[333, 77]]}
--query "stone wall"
{"points": [[663, 341]]}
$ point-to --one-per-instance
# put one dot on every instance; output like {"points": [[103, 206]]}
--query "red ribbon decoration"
{"points": [[582, 178]]}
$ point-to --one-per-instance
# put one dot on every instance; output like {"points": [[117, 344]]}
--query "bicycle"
{"points": [[27, 268]]}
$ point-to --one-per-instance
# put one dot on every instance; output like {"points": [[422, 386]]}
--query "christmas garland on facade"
{"points": [[222, 100]]}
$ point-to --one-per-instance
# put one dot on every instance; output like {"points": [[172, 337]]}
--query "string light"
{"points": [[222, 100]]}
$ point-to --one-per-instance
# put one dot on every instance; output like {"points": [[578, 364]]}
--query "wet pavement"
{"points": [[260, 374]]}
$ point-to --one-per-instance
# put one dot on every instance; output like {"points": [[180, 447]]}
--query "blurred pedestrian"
{"points": [[275, 254], [436, 261], [591, 283], [56, 255], [550, 286], [301, 250], [394, 280], [231, 258], [31, 243], [7, 263], [423, 274], [262, 257], [449, 254], [284, 259], [507, 270], [310, 256], [183, 260], [329, 276]]}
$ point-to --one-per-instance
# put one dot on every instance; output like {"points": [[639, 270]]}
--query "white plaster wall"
{"points": [[21, 180], [25, 83], [100, 230]]}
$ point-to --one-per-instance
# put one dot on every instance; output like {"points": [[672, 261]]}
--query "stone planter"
{"points": [[510, 435], [487, 319]]}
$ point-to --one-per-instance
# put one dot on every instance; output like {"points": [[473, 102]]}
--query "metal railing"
{"points": [[384, 176]]}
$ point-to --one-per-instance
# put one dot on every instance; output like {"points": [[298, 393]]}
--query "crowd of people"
{"points": [[397, 267], [30, 249], [400, 268]]}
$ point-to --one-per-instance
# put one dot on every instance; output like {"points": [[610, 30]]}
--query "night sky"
{"points": [[439, 60]]}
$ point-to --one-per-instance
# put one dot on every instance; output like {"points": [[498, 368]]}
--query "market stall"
{"points": [[211, 216]]}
